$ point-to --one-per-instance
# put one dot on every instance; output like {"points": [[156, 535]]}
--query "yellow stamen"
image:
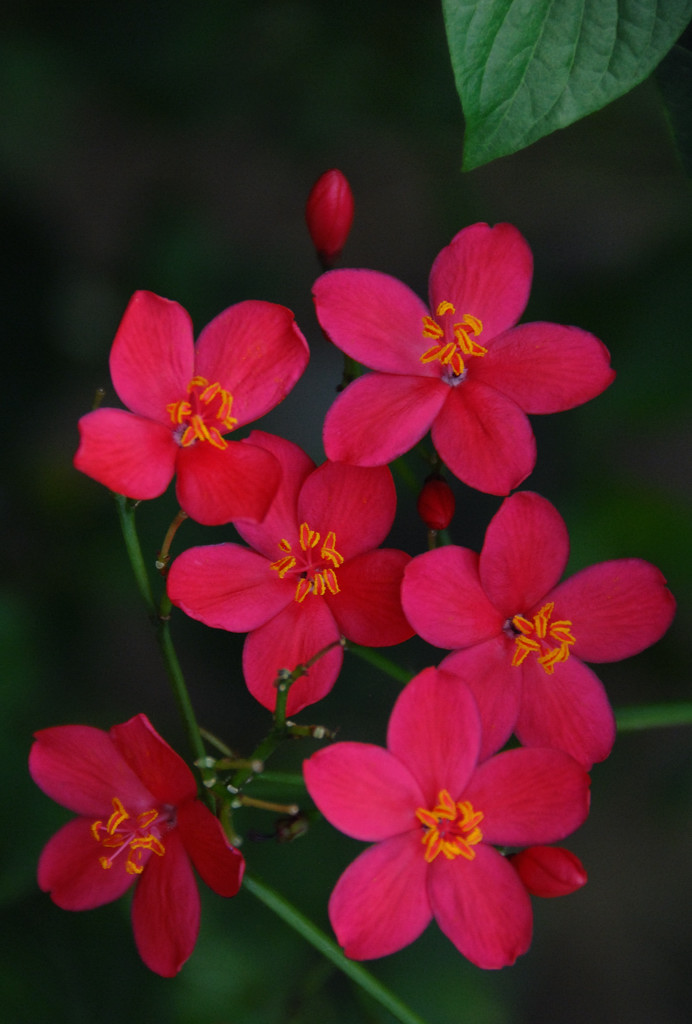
{"points": [[450, 828], [449, 352], [549, 641]]}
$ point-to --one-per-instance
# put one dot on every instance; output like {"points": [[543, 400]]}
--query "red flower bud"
{"points": [[436, 503], [329, 214], [549, 870]]}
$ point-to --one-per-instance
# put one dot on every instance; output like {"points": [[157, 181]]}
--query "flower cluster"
{"points": [[462, 830]]}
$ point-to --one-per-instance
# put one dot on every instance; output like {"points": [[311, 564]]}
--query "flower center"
{"points": [[308, 564], [452, 340], [549, 641], [123, 833], [450, 828], [205, 415]]}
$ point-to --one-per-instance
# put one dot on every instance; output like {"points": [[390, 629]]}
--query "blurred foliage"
{"points": [[171, 147]]}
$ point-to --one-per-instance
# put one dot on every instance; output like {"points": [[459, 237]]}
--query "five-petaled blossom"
{"points": [[184, 398], [436, 815], [459, 367], [520, 637], [314, 572], [139, 821]]}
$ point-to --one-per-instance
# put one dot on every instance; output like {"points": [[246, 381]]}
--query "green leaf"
{"points": [[526, 67]]}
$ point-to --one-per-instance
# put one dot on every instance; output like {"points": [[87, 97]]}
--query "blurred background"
{"points": [[172, 147]]}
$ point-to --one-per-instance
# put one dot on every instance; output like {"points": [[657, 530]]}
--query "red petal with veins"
{"points": [[127, 453], [616, 608], [215, 486], [546, 368], [82, 769], [162, 771], [524, 553], [254, 350], [381, 416], [486, 272], [482, 907], [288, 640], [380, 904], [375, 319], [435, 731], [219, 863], [368, 607], [166, 909], [484, 438], [363, 790], [444, 601]]}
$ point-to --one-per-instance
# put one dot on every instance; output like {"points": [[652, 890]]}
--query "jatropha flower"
{"points": [[435, 816], [184, 400], [313, 573], [549, 871], [521, 637], [459, 367], [140, 821]]}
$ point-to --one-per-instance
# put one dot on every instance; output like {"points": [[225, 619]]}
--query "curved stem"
{"points": [[126, 514], [381, 661], [329, 949]]}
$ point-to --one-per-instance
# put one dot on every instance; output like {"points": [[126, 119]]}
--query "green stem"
{"points": [[160, 618], [126, 514], [653, 716], [381, 661], [329, 949]]}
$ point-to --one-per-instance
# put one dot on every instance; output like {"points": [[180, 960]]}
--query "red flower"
{"points": [[329, 215], [522, 638], [435, 816], [460, 367], [183, 400], [139, 821], [311, 574]]}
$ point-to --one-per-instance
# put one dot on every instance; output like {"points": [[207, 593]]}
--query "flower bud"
{"points": [[549, 870], [436, 503], [329, 214]]}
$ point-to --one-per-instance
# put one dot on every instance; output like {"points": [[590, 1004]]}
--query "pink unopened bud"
{"points": [[549, 870], [329, 215], [436, 503]]}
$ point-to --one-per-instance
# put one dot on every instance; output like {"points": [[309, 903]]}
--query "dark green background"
{"points": [[171, 147]]}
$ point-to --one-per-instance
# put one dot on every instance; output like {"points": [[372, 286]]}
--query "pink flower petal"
{"points": [[228, 587], [546, 368], [219, 863], [166, 910], [256, 351], [568, 710], [290, 639], [486, 272], [435, 731], [375, 319], [368, 607], [215, 486], [162, 771], [524, 554], [529, 796], [444, 601], [380, 416], [281, 519], [363, 790], [70, 871], [496, 686], [152, 358], [357, 503], [484, 438], [616, 608], [81, 768], [128, 454], [482, 907], [379, 905]]}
